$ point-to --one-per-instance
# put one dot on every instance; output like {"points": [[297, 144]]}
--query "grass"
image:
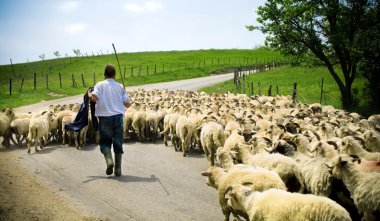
{"points": [[308, 81], [147, 67]]}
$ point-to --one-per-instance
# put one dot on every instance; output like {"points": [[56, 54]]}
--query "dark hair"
{"points": [[109, 71]]}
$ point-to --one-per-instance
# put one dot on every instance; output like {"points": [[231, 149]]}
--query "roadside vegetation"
{"points": [[309, 86]]}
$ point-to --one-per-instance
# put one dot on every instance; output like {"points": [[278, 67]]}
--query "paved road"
{"points": [[157, 183]]}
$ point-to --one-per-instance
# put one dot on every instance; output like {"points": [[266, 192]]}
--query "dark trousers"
{"points": [[111, 133]]}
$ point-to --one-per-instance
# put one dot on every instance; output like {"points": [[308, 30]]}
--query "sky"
{"points": [[30, 29]]}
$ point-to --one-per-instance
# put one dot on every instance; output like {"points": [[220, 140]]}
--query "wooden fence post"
{"points": [[270, 90], [125, 70], [294, 95], [277, 92], [140, 71], [132, 71], [13, 70], [147, 70], [84, 84], [251, 88], [10, 86], [60, 80], [259, 88], [35, 80], [322, 92], [155, 69], [22, 84], [47, 81]]}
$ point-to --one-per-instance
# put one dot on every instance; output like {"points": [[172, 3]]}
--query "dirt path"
{"points": [[22, 197]]}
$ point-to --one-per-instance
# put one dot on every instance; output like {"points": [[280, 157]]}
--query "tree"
{"points": [[56, 53], [42, 56], [329, 30], [77, 52]]}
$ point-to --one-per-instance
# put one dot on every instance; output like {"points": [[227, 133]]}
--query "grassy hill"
{"points": [[72, 75]]}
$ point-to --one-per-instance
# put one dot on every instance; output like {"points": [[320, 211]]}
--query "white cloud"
{"points": [[146, 6], [69, 6], [133, 8], [75, 28], [152, 5]]}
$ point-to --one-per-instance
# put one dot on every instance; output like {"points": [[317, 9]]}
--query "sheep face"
{"points": [[338, 165], [212, 174], [235, 195]]}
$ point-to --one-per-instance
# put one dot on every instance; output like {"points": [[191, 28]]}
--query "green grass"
{"points": [[308, 81], [162, 66]]}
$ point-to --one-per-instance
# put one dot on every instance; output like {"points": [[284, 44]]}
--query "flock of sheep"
{"points": [[271, 158]]}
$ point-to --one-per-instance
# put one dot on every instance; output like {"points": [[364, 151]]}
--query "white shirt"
{"points": [[111, 98]]}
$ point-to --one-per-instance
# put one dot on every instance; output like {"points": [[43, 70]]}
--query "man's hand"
{"points": [[92, 97]]}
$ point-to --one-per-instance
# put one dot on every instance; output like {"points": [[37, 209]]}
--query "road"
{"points": [[157, 183]]}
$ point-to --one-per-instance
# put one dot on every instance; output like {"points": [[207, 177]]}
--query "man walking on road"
{"points": [[111, 101]]}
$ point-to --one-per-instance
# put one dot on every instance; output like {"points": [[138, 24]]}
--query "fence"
{"points": [[20, 82]]}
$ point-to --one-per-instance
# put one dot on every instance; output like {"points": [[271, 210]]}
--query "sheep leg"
{"points": [[63, 138], [76, 137], [18, 140]]}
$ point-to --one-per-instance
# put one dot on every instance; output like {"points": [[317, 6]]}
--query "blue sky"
{"points": [[30, 28]]}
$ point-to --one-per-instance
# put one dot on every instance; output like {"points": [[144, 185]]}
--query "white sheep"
{"points": [[20, 127], [6, 117], [39, 130], [212, 137], [315, 173], [279, 205], [139, 124], [184, 132], [151, 125], [352, 146], [363, 186], [371, 140], [258, 179], [286, 167]]}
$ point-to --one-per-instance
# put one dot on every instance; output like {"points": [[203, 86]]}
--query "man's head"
{"points": [[109, 71]]}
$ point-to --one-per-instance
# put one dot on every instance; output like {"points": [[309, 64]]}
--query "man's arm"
{"points": [[92, 97]]}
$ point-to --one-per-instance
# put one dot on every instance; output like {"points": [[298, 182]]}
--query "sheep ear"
{"points": [[329, 164], [247, 184], [355, 158], [334, 144], [205, 173]]}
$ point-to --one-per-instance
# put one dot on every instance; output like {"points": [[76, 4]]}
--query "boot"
{"points": [[118, 158], [108, 156]]}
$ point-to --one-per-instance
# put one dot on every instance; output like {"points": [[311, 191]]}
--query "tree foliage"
{"points": [[330, 30]]}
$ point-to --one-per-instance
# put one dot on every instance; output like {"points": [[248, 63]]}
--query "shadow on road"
{"points": [[125, 178]]}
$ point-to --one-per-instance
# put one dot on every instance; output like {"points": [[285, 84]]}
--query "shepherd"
{"points": [[111, 100]]}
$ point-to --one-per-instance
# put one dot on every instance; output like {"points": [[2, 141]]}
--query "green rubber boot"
{"points": [[108, 156], [118, 158]]}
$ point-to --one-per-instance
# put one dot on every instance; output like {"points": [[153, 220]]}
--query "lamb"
{"points": [[256, 178], [6, 117], [362, 186], [325, 149], [286, 167], [279, 205], [39, 130], [20, 127], [212, 137]]}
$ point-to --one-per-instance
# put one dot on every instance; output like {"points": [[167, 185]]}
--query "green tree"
{"points": [[327, 29]]}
